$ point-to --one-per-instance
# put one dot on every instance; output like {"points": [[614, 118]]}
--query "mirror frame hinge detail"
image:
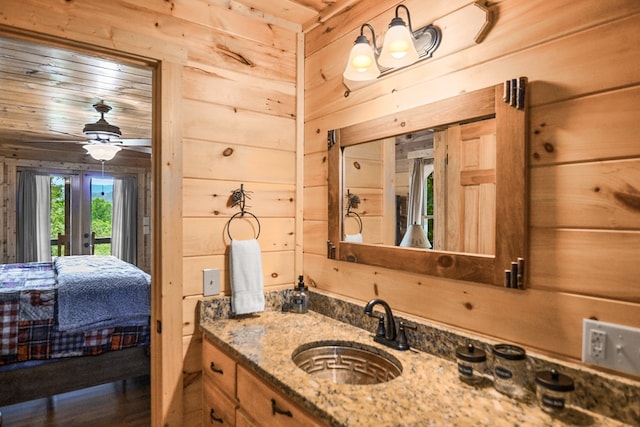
{"points": [[331, 250], [331, 138]]}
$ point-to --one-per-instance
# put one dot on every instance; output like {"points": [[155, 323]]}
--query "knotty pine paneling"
{"points": [[583, 155], [227, 87], [208, 236], [210, 198], [276, 267], [230, 84], [242, 127], [425, 83], [592, 127]]}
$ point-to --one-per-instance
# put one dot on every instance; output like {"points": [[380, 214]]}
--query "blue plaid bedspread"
{"points": [[28, 324]]}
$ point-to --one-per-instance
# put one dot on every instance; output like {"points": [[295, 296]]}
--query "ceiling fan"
{"points": [[104, 140]]}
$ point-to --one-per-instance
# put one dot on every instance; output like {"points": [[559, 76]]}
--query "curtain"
{"points": [[415, 235], [416, 193], [34, 213], [124, 221]]}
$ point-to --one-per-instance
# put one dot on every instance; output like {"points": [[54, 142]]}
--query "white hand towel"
{"points": [[353, 238], [247, 282]]}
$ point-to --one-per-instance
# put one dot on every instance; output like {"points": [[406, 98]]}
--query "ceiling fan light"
{"points": [[102, 151]]}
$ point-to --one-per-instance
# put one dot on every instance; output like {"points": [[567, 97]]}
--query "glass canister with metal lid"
{"points": [[509, 370], [471, 363], [553, 390]]}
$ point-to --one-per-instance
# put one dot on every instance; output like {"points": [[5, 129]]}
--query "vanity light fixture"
{"points": [[402, 47]]}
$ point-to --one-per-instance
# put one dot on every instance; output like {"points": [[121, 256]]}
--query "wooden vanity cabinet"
{"points": [[218, 386], [234, 396]]}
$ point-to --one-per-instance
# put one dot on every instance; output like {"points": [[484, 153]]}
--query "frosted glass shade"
{"points": [[415, 237], [398, 49], [361, 65], [102, 151]]}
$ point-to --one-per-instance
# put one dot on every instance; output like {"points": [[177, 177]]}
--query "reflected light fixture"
{"points": [[100, 134], [402, 47], [415, 237]]}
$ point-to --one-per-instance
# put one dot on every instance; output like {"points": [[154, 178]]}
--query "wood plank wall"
{"points": [[583, 63], [235, 74]]}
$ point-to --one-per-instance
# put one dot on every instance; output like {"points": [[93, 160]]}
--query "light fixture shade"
{"points": [[361, 65], [398, 49], [415, 237], [102, 151]]}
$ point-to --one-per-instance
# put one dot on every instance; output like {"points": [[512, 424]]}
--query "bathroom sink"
{"points": [[346, 362]]}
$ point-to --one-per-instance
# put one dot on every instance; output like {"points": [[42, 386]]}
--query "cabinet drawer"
{"points": [[218, 409], [219, 367], [268, 407]]}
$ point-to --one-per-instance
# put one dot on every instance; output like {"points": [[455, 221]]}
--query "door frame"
{"points": [[168, 61]]}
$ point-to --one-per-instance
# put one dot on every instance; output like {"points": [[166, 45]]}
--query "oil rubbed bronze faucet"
{"points": [[386, 334]]}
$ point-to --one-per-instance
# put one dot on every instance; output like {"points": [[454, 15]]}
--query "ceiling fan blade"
{"points": [[132, 142]]}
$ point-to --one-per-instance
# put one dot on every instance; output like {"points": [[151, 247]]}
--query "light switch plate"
{"points": [[612, 346], [211, 281]]}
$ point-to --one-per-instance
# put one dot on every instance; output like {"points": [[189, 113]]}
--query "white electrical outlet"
{"points": [[612, 346], [211, 281]]}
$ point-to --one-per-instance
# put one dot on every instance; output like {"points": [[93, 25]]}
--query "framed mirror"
{"points": [[469, 155]]}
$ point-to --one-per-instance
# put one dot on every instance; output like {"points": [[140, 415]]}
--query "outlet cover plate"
{"points": [[612, 346], [210, 281]]}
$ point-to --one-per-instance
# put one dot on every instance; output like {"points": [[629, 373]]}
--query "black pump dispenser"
{"points": [[300, 302]]}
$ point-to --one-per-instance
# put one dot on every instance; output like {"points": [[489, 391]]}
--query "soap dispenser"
{"points": [[300, 301]]}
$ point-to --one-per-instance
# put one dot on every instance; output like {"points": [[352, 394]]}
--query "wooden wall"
{"points": [[583, 64], [227, 116]]}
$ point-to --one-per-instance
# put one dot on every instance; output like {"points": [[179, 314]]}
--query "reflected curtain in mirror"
{"points": [[415, 235]]}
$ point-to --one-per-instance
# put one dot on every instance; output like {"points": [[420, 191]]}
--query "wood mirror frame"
{"points": [[509, 108]]}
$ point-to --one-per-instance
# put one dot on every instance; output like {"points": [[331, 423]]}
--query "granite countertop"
{"points": [[427, 393]]}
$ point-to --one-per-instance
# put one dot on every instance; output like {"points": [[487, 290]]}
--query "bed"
{"points": [[72, 323]]}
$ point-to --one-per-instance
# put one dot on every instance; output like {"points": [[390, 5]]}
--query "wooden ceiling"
{"points": [[48, 92]]}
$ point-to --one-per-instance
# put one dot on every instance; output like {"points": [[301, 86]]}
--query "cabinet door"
{"points": [[219, 367], [243, 420], [267, 406], [218, 409]]}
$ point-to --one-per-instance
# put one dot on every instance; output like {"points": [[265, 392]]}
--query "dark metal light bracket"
{"points": [[515, 92]]}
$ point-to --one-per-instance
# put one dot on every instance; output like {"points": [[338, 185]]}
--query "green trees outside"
{"points": [[101, 210]]}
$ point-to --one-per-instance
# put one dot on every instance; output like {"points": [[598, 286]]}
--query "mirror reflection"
{"points": [[425, 189]]}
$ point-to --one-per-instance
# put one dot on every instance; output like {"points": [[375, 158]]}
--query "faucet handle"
{"points": [[380, 331], [403, 343]]}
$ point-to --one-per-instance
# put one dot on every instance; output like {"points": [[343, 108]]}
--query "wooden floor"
{"points": [[123, 403]]}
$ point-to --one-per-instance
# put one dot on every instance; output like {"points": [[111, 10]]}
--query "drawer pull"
{"points": [[214, 369], [212, 414], [276, 410]]}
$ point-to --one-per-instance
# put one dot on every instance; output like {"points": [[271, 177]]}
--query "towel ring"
{"points": [[241, 213], [356, 216]]}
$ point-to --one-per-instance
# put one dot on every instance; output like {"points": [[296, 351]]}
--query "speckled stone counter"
{"points": [[428, 393]]}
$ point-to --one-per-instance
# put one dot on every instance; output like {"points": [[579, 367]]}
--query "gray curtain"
{"points": [[416, 193], [124, 221], [34, 217]]}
